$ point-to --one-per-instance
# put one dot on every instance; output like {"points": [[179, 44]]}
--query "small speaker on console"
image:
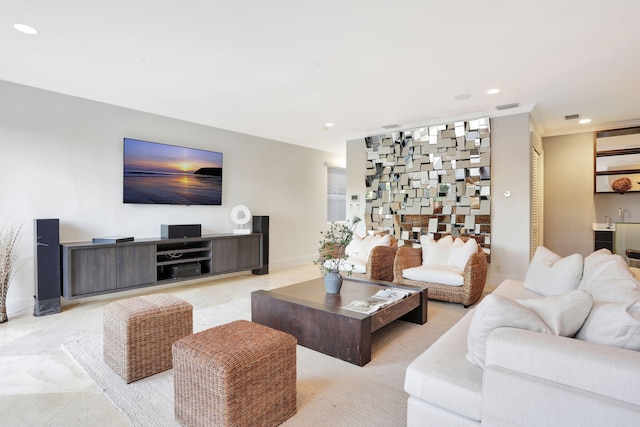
{"points": [[261, 225], [180, 231], [47, 267]]}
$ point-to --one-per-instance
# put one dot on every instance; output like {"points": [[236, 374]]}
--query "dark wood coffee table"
{"points": [[319, 322]]}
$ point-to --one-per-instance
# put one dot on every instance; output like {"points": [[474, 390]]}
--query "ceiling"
{"points": [[281, 69]]}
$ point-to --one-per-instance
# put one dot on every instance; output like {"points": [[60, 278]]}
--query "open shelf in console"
{"points": [[184, 255]]}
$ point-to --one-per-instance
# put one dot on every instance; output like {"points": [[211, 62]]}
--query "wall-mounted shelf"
{"points": [[93, 269], [617, 161]]}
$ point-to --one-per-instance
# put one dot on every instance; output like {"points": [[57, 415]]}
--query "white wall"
{"points": [[61, 157], [510, 217], [356, 169], [570, 203]]}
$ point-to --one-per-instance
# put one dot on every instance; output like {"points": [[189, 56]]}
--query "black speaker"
{"points": [[47, 267], [261, 225], [180, 231]]}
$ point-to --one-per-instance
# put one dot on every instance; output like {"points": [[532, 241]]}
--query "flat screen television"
{"points": [[157, 173]]}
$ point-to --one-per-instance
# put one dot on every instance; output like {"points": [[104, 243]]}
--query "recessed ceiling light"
{"points": [[584, 121], [493, 91], [26, 29], [328, 124]]}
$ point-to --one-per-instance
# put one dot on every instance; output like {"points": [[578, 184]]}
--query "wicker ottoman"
{"points": [[139, 332], [238, 374]]}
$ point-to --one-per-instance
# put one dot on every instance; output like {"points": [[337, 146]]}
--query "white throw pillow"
{"points": [[613, 324], [495, 312], [609, 279], [435, 253], [379, 240], [563, 314], [550, 274], [460, 252], [355, 247], [359, 246], [594, 263]]}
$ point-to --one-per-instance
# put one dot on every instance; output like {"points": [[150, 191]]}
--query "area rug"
{"points": [[331, 392]]}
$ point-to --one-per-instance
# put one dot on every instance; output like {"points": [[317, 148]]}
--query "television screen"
{"points": [[168, 174]]}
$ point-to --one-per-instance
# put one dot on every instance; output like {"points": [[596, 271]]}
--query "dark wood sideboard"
{"points": [[96, 268]]}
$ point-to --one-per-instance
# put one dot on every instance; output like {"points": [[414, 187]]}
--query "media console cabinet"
{"points": [[96, 268]]}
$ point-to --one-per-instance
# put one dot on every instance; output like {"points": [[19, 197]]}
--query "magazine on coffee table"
{"points": [[378, 300], [394, 294], [367, 305]]}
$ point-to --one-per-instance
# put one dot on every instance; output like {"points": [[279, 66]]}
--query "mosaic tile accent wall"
{"points": [[434, 179]]}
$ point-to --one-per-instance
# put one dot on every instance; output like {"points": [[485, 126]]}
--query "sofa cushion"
{"points": [[613, 324], [514, 289], [593, 265], [563, 314], [608, 278], [461, 251], [435, 253], [550, 274], [443, 377], [496, 312], [441, 274]]}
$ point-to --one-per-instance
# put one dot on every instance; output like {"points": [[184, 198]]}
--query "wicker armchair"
{"points": [[380, 263], [475, 277]]}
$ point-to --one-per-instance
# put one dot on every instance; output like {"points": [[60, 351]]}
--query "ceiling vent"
{"points": [[507, 106], [391, 126], [572, 116]]}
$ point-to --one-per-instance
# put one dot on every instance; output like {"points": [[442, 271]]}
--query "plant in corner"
{"points": [[8, 260], [332, 258]]}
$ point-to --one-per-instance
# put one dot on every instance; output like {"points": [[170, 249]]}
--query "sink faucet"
{"points": [[607, 219], [621, 214]]}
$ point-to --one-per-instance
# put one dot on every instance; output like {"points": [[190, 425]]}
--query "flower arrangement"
{"points": [[331, 252], [8, 260]]}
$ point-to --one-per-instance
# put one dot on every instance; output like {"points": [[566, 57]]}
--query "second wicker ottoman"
{"points": [[139, 332], [237, 374]]}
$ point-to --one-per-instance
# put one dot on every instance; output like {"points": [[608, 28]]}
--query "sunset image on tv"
{"points": [[168, 174]]}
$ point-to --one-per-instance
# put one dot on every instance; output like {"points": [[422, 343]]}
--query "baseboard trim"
{"points": [[18, 305]]}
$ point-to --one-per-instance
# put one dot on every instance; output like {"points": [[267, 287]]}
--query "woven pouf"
{"points": [[139, 332], [237, 374]]}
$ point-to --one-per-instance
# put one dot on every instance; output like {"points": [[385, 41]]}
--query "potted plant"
{"points": [[8, 260], [332, 258]]}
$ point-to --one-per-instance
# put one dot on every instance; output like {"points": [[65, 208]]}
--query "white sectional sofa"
{"points": [[507, 363]]}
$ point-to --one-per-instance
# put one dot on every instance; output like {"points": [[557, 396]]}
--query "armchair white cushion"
{"points": [[460, 252], [435, 252], [442, 274], [359, 249]]}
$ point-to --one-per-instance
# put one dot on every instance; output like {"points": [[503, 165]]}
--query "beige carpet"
{"points": [[330, 392]]}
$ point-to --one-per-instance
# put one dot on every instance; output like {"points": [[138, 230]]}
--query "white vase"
{"points": [[333, 283]]}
